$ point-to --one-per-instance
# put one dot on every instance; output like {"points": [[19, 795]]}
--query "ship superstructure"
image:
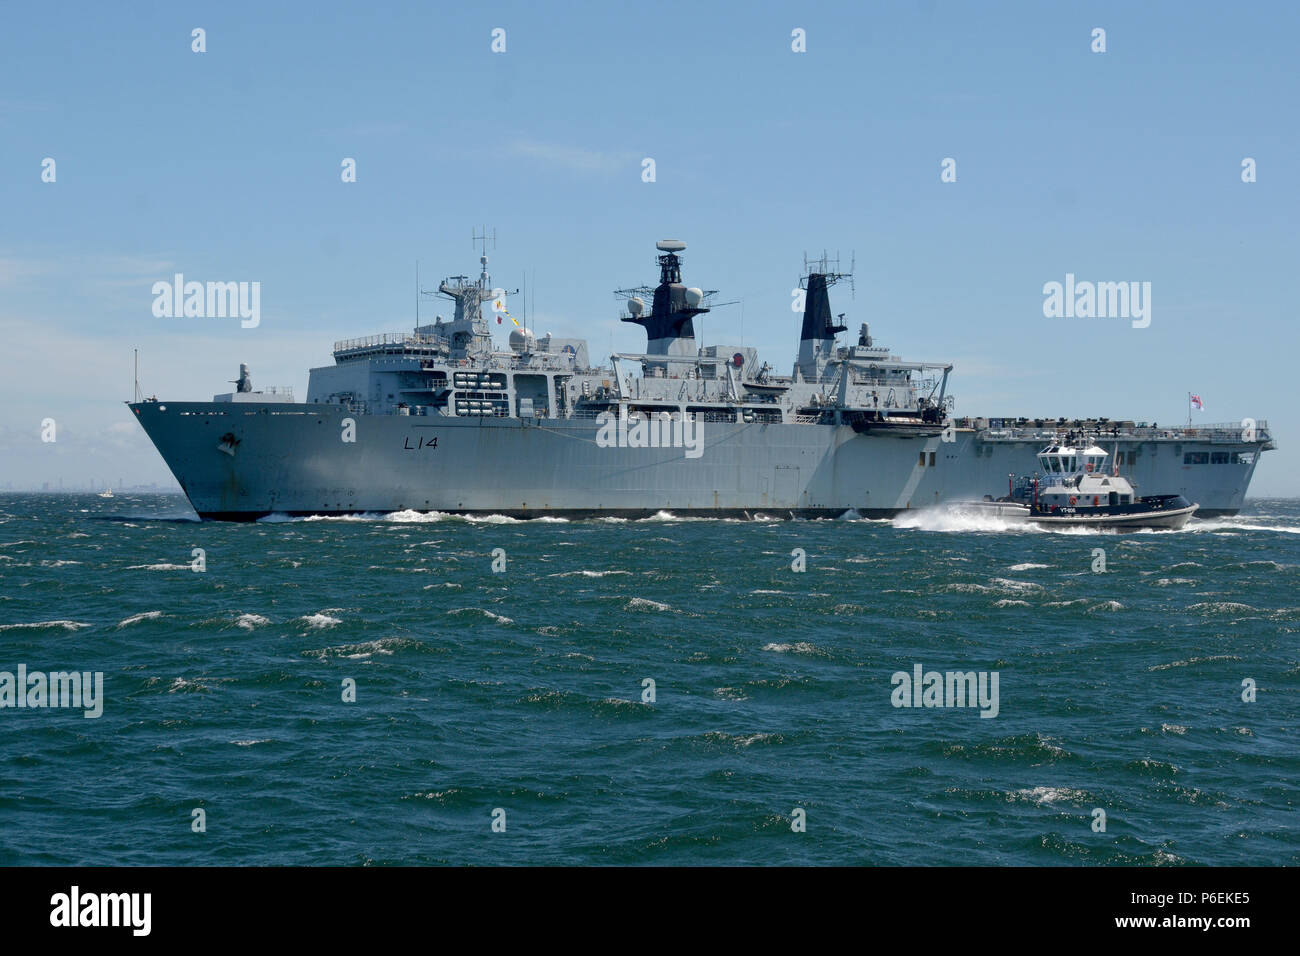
{"points": [[440, 419], [451, 369]]}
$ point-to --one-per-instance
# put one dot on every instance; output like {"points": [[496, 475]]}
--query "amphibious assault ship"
{"points": [[440, 419]]}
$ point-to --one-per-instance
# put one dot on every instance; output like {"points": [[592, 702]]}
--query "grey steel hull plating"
{"points": [[291, 459]]}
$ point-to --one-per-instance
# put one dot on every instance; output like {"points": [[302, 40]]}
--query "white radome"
{"points": [[522, 340]]}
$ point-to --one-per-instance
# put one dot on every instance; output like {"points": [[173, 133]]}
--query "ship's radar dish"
{"points": [[670, 245], [636, 305], [694, 297]]}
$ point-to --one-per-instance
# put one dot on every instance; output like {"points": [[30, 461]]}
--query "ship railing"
{"points": [[387, 338], [1225, 433]]}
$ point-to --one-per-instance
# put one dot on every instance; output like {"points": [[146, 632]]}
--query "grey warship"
{"points": [[441, 420]]}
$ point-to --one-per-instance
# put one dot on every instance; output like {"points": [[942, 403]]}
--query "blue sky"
{"points": [[1123, 165]]}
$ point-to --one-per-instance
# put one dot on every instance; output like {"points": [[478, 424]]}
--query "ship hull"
{"points": [[244, 461], [1165, 519]]}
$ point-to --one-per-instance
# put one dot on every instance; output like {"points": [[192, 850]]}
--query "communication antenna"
{"points": [[483, 239], [830, 268], [484, 280], [137, 375]]}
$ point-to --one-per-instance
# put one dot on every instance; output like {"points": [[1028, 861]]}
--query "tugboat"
{"points": [[1078, 490]]}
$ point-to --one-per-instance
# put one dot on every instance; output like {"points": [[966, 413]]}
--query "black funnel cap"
{"points": [[817, 321]]}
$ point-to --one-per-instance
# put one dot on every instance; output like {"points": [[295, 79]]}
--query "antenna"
{"points": [[484, 238], [830, 268], [484, 280], [417, 295], [137, 374]]}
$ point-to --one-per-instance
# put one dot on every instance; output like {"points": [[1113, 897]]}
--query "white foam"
{"points": [[1222, 607], [320, 620], [383, 646], [499, 618], [586, 574], [1044, 795], [1236, 524], [493, 519], [277, 518], [43, 625], [1107, 606], [1194, 660], [799, 647], [137, 618], [645, 604], [417, 517], [949, 519], [1012, 585]]}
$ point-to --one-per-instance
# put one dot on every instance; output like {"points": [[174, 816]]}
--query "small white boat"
{"points": [[106, 493]]}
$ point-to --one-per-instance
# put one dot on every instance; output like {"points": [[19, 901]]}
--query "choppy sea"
{"points": [[510, 687]]}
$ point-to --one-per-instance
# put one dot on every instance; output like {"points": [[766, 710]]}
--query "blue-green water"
{"points": [[522, 690]]}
